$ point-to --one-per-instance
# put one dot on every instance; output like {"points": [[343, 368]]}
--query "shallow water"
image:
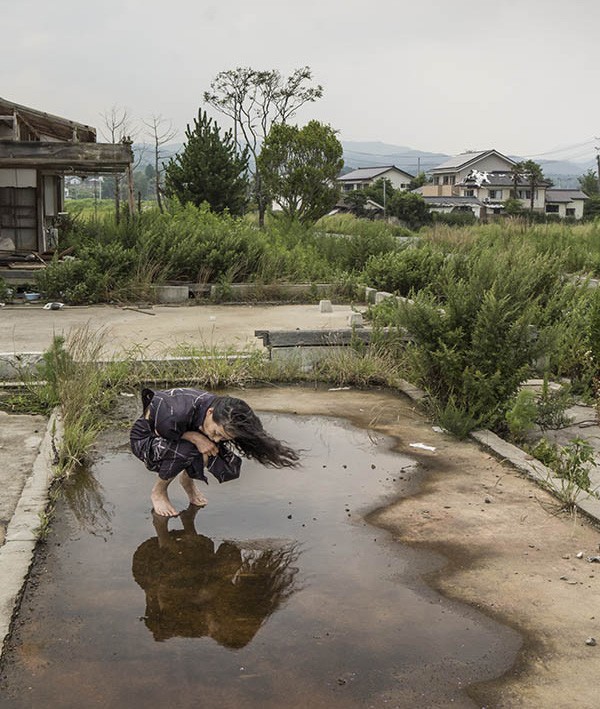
{"points": [[277, 594]]}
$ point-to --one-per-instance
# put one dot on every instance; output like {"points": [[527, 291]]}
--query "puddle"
{"points": [[277, 594]]}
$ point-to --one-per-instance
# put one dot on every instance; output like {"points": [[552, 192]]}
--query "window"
{"points": [[469, 193], [570, 211], [436, 180], [495, 194], [449, 179], [524, 194], [552, 209], [348, 188]]}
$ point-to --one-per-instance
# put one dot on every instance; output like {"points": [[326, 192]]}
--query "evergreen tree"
{"points": [[210, 169]]}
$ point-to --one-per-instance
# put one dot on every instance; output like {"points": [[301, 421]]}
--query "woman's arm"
{"points": [[202, 443]]}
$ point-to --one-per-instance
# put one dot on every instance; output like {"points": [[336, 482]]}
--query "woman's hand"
{"points": [[202, 443]]}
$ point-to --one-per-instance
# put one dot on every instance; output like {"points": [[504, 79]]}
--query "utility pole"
{"points": [[598, 161]]}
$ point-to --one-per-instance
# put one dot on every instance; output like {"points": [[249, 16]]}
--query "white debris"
{"points": [[339, 389], [53, 306], [438, 429], [422, 446]]}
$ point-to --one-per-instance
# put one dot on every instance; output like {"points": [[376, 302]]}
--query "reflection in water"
{"points": [[194, 591], [85, 496]]}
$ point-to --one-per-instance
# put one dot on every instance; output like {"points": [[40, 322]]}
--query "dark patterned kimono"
{"points": [[156, 436]]}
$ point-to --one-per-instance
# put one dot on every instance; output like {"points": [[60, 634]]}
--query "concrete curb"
{"points": [[23, 531], [533, 468]]}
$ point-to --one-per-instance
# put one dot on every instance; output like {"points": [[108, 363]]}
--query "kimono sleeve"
{"points": [[172, 415]]}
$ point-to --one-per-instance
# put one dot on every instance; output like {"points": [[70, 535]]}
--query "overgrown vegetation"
{"points": [[488, 305]]}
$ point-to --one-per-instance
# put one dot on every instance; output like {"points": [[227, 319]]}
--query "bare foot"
{"points": [[195, 496], [160, 500]]}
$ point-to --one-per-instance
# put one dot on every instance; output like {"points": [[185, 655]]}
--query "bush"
{"points": [[402, 272], [476, 337]]}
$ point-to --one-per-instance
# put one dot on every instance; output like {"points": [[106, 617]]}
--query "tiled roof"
{"points": [[368, 173], [558, 195], [463, 159], [452, 201]]}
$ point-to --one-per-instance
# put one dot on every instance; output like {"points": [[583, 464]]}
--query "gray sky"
{"points": [[521, 76]]}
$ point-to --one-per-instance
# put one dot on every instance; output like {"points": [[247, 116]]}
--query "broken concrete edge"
{"points": [[534, 469], [25, 364], [25, 527], [518, 458]]}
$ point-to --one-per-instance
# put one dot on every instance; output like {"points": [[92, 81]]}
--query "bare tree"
{"points": [[118, 128], [255, 100], [161, 131]]}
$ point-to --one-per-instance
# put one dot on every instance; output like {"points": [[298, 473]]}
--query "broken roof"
{"points": [[47, 124]]}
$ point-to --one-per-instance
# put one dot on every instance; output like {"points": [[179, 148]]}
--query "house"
{"points": [[365, 176], [37, 150], [565, 203], [446, 205], [452, 172], [488, 177]]}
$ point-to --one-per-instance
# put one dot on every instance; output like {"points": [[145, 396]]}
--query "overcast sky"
{"points": [[521, 76]]}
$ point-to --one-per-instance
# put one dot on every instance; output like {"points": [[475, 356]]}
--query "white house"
{"points": [[565, 203], [364, 176], [487, 176], [452, 172]]}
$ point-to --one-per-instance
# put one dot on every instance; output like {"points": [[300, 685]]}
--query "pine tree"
{"points": [[210, 169]]}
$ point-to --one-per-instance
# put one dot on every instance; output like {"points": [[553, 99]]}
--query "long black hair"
{"points": [[247, 433]]}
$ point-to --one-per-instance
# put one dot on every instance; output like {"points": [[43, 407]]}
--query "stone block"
{"points": [[171, 294], [325, 306], [355, 320], [370, 295]]}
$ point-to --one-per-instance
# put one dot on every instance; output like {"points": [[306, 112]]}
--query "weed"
{"points": [[521, 416], [551, 407], [571, 464]]}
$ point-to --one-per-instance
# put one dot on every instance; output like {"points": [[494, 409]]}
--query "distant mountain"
{"points": [[374, 153]]}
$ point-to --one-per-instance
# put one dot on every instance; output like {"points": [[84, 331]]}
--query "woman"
{"points": [[180, 430]]}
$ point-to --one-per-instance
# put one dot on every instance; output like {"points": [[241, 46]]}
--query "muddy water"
{"points": [[277, 594]]}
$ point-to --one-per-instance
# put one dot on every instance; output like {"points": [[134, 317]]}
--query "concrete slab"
{"points": [[24, 502], [162, 329]]}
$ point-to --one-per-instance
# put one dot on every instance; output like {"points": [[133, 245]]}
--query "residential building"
{"points": [[565, 203], [446, 177], [365, 176], [37, 150]]}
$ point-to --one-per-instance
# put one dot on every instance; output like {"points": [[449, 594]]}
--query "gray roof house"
{"points": [[487, 176], [565, 203], [365, 176]]}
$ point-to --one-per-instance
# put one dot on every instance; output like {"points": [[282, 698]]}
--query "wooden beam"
{"points": [[318, 338], [69, 157]]}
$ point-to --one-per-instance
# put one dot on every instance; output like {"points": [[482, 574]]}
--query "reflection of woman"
{"points": [[194, 591]]}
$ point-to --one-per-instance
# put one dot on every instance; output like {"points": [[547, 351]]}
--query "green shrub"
{"points": [[475, 339], [521, 414], [402, 272]]}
